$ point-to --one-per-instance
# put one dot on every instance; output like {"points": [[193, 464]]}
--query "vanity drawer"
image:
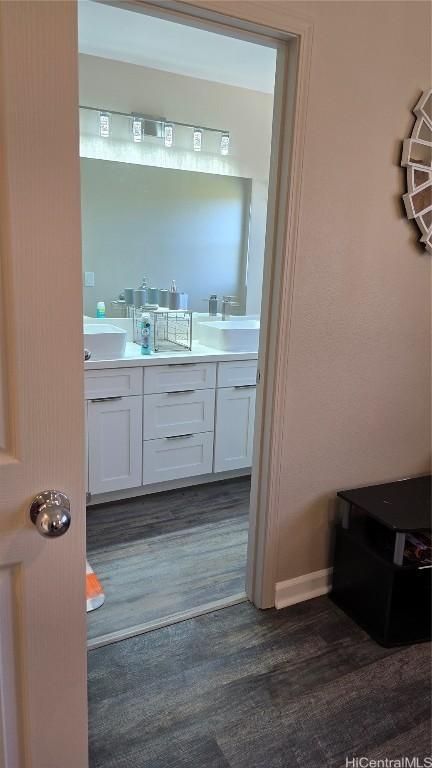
{"points": [[174, 457], [178, 413], [113, 382], [239, 373], [177, 377]]}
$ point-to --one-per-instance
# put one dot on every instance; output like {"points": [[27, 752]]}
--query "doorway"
{"points": [[175, 168], [51, 93]]}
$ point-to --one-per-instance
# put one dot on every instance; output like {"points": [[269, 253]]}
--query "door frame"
{"points": [[293, 43]]}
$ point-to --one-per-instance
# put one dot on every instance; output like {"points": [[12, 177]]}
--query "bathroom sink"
{"points": [[104, 341], [235, 335]]}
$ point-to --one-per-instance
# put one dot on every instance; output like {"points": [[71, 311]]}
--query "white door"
{"points": [[43, 717], [115, 443], [235, 416]]}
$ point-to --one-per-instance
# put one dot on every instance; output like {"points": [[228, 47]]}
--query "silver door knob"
{"points": [[50, 513]]}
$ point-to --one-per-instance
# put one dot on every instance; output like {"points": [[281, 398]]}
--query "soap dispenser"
{"points": [[100, 309]]}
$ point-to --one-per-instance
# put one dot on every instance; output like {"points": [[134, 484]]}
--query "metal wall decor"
{"points": [[417, 159]]}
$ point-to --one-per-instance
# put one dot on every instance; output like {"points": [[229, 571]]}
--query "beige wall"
{"points": [[246, 114], [358, 378]]}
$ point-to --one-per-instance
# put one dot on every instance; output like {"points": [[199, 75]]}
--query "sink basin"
{"points": [[234, 335], [104, 341]]}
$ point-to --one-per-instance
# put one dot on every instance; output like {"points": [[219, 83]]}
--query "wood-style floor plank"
{"points": [[257, 689], [168, 552]]}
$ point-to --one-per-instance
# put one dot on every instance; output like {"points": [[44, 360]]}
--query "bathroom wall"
{"points": [[246, 114], [139, 220], [357, 408]]}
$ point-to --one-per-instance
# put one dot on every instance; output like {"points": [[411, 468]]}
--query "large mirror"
{"points": [[163, 224]]}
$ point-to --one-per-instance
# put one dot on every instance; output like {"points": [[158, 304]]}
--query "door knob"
{"points": [[50, 513]]}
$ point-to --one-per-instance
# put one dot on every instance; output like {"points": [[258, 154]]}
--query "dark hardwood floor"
{"points": [[240, 688], [168, 552]]}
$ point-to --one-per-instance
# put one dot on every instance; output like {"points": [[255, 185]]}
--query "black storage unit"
{"points": [[374, 582]]}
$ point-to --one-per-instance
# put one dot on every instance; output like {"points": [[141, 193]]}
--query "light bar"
{"points": [[143, 126]]}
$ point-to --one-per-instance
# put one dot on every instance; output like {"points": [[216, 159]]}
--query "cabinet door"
{"points": [[235, 415], [115, 443]]}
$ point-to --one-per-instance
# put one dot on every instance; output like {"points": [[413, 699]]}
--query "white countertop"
{"points": [[199, 354]]}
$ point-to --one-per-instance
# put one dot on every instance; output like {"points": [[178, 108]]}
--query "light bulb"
{"points": [[197, 139], [224, 143], [137, 129], [104, 124], [168, 135]]}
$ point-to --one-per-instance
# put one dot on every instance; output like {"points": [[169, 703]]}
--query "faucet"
{"points": [[227, 303]]}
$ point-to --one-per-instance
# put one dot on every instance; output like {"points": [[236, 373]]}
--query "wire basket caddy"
{"points": [[170, 329]]}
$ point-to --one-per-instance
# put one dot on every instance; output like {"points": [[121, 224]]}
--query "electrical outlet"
{"points": [[89, 279]]}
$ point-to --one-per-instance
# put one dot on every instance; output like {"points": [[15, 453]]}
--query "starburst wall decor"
{"points": [[417, 159]]}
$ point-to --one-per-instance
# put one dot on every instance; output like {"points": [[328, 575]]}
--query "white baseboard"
{"points": [[302, 588]]}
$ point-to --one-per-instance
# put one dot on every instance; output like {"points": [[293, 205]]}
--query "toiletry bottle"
{"points": [[145, 327], [213, 305], [100, 309]]}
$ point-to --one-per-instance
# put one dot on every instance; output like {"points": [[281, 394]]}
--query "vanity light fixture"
{"points": [[197, 139], [143, 126], [224, 144], [168, 135], [104, 124], [137, 129]]}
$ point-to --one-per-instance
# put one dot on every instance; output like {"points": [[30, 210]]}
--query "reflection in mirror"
{"points": [[163, 224]]}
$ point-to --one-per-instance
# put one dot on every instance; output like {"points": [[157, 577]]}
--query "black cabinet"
{"points": [[374, 581]]}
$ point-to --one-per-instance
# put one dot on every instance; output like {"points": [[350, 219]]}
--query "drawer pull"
{"points": [[105, 399], [178, 437], [179, 391], [245, 386]]}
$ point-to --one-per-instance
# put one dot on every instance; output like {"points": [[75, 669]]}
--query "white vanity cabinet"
{"points": [[150, 424], [114, 429]]}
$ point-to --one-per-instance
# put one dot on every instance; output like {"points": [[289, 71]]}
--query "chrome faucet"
{"points": [[227, 303]]}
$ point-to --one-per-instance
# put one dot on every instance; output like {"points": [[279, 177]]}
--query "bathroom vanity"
{"points": [[168, 420]]}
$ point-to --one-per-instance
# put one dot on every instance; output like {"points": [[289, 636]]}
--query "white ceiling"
{"points": [[114, 33]]}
